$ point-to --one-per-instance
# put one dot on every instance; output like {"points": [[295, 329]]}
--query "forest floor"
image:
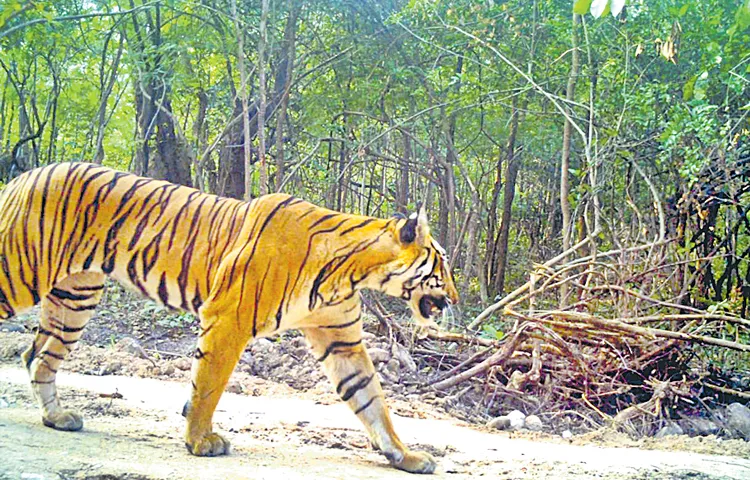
{"points": [[283, 419]]}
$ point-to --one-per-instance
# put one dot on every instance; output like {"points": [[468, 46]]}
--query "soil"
{"points": [[283, 418]]}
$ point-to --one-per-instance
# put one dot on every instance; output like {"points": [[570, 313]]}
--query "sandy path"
{"points": [[140, 437]]}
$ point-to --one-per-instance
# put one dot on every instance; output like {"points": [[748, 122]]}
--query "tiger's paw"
{"points": [[211, 445], [67, 420], [415, 462]]}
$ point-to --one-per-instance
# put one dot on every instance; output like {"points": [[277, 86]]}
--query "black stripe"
{"points": [[180, 213], [90, 258], [56, 337], [32, 356], [82, 308], [163, 292], [65, 295], [364, 407], [338, 344], [52, 354], [346, 379], [355, 227], [308, 212], [197, 300], [68, 329], [323, 219], [133, 274], [92, 288], [349, 393], [205, 330], [343, 325]]}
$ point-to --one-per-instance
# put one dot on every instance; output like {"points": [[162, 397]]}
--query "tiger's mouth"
{"points": [[430, 305]]}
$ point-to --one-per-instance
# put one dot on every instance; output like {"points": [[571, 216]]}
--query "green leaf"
{"points": [[683, 10], [742, 17], [687, 89], [581, 7]]}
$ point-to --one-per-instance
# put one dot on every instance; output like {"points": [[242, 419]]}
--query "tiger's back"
{"points": [[163, 240]]}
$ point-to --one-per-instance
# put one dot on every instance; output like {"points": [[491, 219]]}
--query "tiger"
{"points": [[245, 269]]}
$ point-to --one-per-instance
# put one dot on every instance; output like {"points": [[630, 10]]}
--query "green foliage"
{"points": [[669, 81]]}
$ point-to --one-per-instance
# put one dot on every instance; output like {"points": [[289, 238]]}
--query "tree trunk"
{"points": [[106, 87], [243, 100], [282, 85], [451, 159], [261, 103], [511, 173], [171, 160], [565, 161], [232, 181], [402, 193], [490, 244], [200, 132]]}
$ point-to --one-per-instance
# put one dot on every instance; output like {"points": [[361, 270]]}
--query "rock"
{"points": [[368, 336], [699, 427], [567, 434], [130, 345], [500, 423], [234, 387], [182, 363], [261, 345], [393, 368], [13, 349], [671, 428], [168, 369], [4, 403], [517, 418], [110, 368], [379, 355], [12, 327], [401, 354], [738, 420], [533, 423]]}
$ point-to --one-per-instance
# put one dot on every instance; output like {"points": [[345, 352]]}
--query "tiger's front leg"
{"points": [[220, 345], [348, 365]]}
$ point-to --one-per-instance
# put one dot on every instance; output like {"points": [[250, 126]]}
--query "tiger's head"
{"points": [[421, 273]]}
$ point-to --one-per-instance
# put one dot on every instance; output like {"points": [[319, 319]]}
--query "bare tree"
{"points": [[261, 103], [565, 161]]}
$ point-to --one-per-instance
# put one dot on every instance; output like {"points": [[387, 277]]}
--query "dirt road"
{"points": [[140, 437]]}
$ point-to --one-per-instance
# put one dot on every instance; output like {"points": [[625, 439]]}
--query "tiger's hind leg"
{"points": [[64, 313], [350, 369]]}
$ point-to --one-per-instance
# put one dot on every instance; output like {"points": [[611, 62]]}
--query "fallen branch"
{"points": [[500, 356], [634, 329], [444, 336], [728, 391]]}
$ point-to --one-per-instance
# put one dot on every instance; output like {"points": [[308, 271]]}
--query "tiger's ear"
{"points": [[415, 229]]}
